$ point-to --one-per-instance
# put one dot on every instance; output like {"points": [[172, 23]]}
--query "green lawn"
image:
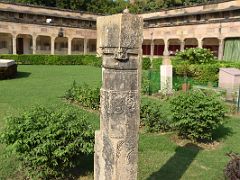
{"points": [[159, 156]]}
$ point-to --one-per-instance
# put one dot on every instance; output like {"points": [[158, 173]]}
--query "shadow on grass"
{"points": [[176, 166], [84, 168], [222, 132], [22, 75]]}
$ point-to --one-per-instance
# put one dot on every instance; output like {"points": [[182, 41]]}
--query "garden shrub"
{"points": [[156, 63], [27, 59], [232, 170], [195, 56], [155, 115], [197, 114], [146, 63], [49, 142], [84, 95]]}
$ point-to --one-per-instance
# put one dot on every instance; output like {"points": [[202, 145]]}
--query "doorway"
{"points": [[20, 46]]}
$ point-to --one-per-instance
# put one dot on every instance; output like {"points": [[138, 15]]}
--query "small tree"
{"points": [[197, 114], [196, 56], [49, 142]]}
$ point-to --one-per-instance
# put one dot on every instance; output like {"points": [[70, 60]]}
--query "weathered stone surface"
{"points": [[116, 143], [229, 80], [166, 78], [8, 69]]}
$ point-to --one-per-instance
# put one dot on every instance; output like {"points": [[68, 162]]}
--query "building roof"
{"points": [[38, 9], [217, 6]]}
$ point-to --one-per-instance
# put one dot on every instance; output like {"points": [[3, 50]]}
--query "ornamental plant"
{"points": [[84, 95], [155, 115], [196, 114], [196, 56], [49, 142]]}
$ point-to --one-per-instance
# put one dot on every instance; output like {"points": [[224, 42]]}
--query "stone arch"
{"points": [[190, 43], [77, 46], [43, 44], [61, 45], [6, 45], [174, 45], [211, 43], [146, 47], [24, 44], [158, 47]]}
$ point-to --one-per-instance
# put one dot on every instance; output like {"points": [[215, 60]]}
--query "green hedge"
{"points": [[25, 59], [202, 72]]}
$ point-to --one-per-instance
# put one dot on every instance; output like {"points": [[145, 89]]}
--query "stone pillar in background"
{"points": [[152, 48], [166, 52], [166, 78], [14, 44], [34, 46], [200, 43], [53, 45], [116, 143], [85, 46], [69, 45], [220, 49], [182, 45]]}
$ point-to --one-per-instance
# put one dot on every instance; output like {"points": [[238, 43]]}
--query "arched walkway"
{"points": [[174, 46], [61, 45], [146, 47], [158, 47], [77, 46], [24, 44], [6, 43], [43, 45], [92, 46], [212, 44], [190, 43]]}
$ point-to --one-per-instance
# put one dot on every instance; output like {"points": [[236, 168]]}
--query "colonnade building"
{"points": [[29, 29]]}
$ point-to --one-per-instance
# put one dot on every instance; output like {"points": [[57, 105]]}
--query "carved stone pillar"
{"points": [[220, 49], [53, 45], [116, 143]]}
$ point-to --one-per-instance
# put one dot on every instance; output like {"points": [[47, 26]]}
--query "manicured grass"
{"points": [[159, 156]]}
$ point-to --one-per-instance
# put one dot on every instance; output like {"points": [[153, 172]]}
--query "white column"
{"points": [[152, 48], [85, 46], [14, 44], [34, 39], [220, 49], [182, 45], [166, 52], [52, 45], [69, 46], [200, 43]]}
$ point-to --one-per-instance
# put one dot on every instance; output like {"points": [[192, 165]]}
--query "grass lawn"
{"points": [[160, 157]]}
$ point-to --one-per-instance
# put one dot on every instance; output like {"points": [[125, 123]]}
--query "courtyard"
{"points": [[160, 154]]}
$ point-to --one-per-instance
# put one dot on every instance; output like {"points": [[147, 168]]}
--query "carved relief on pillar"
{"points": [[119, 43]]}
